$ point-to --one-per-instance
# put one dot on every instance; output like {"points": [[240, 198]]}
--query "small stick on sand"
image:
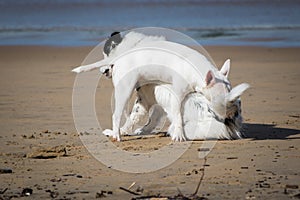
{"points": [[129, 191], [201, 178]]}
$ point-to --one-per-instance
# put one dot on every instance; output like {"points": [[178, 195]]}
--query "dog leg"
{"points": [[137, 113], [179, 89], [122, 94], [177, 135], [155, 119]]}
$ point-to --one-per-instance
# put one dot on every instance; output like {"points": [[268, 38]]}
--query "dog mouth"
{"points": [[107, 71]]}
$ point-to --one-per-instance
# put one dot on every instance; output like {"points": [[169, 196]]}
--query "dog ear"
{"points": [[236, 92], [210, 79], [225, 68]]}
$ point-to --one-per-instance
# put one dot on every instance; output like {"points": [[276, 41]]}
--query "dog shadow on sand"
{"points": [[269, 132]]}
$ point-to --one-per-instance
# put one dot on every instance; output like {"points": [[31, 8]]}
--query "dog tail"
{"points": [[90, 67]]}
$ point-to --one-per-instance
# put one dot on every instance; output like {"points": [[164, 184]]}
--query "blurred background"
{"points": [[210, 22]]}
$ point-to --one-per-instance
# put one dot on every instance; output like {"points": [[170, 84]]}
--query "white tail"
{"points": [[90, 67]]}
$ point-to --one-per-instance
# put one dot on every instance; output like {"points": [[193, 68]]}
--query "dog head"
{"points": [[224, 100], [234, 119], [215, 92], [112, 42]]}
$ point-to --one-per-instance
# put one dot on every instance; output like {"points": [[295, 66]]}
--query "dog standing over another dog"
{"points": [[139, 59], [200, 121]]}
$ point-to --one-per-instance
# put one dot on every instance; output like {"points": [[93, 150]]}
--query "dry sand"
{"points": [[36, 112]]}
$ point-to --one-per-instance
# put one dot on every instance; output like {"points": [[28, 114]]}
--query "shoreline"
{"points": [[203, 45]]}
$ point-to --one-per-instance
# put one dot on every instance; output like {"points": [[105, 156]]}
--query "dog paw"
{"points": [[111, 133], [124, 131], [177, 135], [178, 138], [139, 131], [143, 131], [108, 132]]}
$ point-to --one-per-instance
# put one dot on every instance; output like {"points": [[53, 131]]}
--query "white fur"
{"points": [[200, 121], [184, 69], [131, 40]]}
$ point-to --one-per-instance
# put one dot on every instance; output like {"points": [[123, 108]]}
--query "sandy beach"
{"points": [[36, 112]]}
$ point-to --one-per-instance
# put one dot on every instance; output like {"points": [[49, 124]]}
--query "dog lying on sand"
{"points": [[200, 121], [140, 59]]}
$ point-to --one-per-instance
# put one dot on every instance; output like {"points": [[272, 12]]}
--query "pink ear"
{"points": [[210, 78]]}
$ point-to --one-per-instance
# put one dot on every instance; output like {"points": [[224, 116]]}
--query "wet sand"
{"points": [[36, 113]]}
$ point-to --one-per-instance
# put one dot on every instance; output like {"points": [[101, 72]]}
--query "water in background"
{"points": [[210, 22]]}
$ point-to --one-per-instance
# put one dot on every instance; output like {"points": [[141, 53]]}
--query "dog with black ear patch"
{"points": [[111, 43], [200, 120], [154, 59]]}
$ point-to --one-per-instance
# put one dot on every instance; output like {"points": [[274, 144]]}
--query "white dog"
{"points": [[139, 59], [200, 121]]}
